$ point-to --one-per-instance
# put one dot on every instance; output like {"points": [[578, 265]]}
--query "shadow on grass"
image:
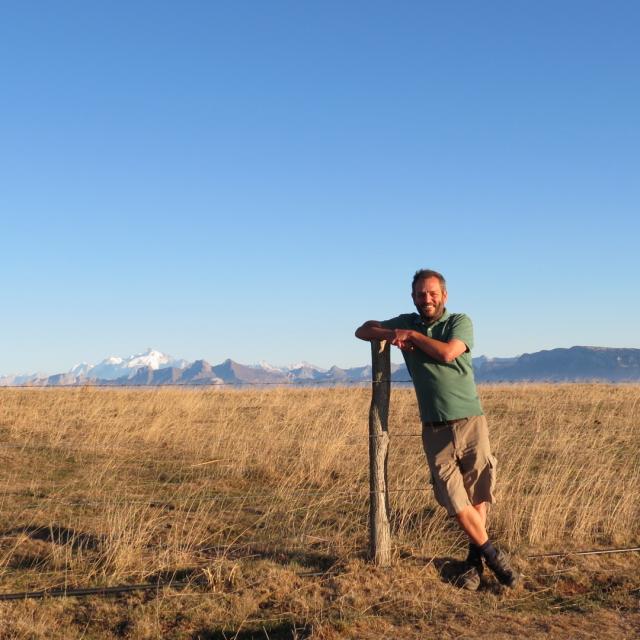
{"points": [[450, 569], [57, 535], [282, 631], [312, 560], [192, 575]]}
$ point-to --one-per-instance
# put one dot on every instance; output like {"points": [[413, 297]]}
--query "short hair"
{"points": [[422, 274]]}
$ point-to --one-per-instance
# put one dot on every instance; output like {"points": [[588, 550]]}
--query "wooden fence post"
{"points": [[379, 527]]}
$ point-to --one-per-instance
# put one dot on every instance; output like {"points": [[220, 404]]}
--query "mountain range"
{"points": [[154, 368]]}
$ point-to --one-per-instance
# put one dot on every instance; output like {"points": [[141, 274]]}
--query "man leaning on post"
{"points": [[436, 346]]}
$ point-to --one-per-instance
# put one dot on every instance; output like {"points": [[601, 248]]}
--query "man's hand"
{"points": [[409, 340], [403, 339]]}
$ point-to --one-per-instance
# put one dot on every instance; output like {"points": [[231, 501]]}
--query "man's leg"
{"points": [[449, 473], [474, 555], [482, 512], [472, 519], [477, 465]]}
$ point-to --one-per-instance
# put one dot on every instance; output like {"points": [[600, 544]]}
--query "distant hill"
{"points": [[153, 368], [577, 364]]}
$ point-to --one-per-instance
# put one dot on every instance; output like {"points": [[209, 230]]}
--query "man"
{"points": [[436, 346]]}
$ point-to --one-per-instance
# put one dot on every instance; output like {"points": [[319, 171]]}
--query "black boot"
{"points": [[474, 557], [470, 577], [498, 562]]}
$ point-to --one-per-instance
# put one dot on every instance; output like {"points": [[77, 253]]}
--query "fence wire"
{"points": [[207, 385]]}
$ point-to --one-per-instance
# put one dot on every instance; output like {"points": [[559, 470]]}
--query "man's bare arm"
{"points": [[437, 349], [373, 330], [408, 340]]}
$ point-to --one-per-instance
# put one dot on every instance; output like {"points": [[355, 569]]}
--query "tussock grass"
{"points": [[247, 493]]}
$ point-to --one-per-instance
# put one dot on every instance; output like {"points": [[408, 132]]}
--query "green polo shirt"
{"points": [[445, 391]]}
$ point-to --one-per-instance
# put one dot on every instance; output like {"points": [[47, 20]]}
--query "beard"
{"points": [[431, 313]]}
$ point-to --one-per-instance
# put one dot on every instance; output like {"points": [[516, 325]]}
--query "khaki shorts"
{"points": [[463, 471]]}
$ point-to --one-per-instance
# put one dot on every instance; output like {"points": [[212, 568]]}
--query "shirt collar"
{"points": [[419, 321]]}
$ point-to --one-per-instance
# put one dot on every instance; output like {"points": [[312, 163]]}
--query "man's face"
{"points": [[429, 298]]}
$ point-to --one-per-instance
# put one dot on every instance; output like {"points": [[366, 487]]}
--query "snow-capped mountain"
{"points": [[303, 365], [17, 380], [110, 369], [80, 369], [266, 366], [115, 367], [153, 367]]}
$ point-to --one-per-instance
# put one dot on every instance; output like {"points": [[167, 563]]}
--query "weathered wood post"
{"points": [[379, 527]]}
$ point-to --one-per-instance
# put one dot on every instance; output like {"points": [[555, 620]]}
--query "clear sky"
{"points": [[253, 180]]}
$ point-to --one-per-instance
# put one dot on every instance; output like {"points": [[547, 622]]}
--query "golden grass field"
{"points": [[258, 500]]}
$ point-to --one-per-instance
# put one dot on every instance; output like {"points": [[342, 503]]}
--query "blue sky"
{"points": [[253, 180]]}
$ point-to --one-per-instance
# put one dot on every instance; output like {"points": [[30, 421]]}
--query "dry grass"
{"points": [[259, 499]]}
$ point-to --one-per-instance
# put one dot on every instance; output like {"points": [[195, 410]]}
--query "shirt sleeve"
{"points": [[462, 329], [399, 322]]}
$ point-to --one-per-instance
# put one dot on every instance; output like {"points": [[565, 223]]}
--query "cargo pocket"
{"points": [[441, 499], [483, 489]]}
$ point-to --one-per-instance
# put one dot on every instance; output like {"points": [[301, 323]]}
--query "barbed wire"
{"points": [[103, 592], [117, 450], [218, 497], [90, 591], [146, 586], [224, 547], [206, 385], [110, 591], [595, 552], [289, 383]]}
